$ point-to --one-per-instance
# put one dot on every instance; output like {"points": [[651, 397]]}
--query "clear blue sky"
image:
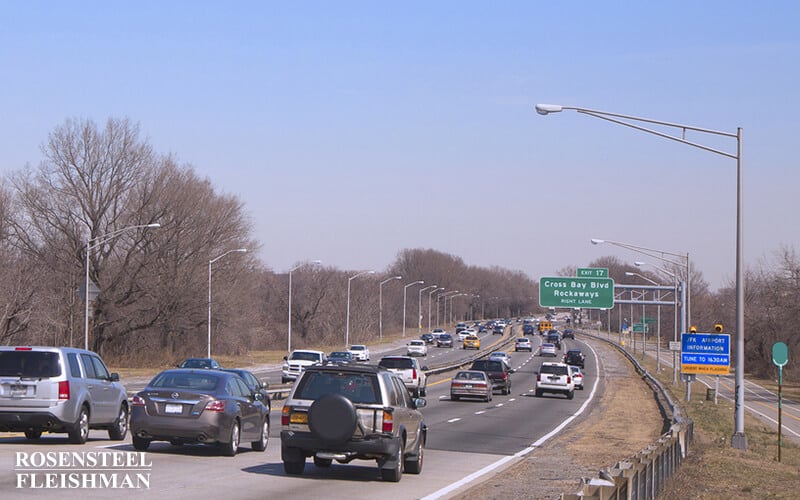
{"points": [[353, 130]]}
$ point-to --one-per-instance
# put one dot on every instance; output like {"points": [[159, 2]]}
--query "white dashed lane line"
{"points": [[453, 420]]}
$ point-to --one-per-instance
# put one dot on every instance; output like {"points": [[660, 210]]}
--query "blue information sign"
{"points": [[706, 353]]}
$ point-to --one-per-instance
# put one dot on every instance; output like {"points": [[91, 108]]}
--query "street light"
{"points": [[419, 308], [295, 268], [405, 289], [738, 440], [380, 304], [99, 240], [347, 317], [658, 314], [435, 290], [445, 295], [242, 250]]}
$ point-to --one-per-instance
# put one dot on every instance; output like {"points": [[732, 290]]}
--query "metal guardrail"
{"points": [[643, 475]]}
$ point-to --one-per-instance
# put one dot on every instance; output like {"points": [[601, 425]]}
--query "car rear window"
{"points": [[396, 363], [487, 366], [29, 364], [553, 369], [190, 381], [357, 387]]}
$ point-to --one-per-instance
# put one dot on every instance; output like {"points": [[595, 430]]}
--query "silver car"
{"points": [[60, 389]]}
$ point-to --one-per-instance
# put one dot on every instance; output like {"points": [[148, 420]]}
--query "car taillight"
{"points": [[505, 375], [569, 380], [388, 421], [414, 373], [216, 405], [137, 401], [23, 349], [285, 415], [538, 377], [63, 389]]}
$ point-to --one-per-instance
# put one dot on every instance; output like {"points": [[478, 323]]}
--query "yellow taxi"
{"points": [[472, 342]]}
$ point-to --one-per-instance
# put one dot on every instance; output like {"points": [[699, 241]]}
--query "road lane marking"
{"points": [[479, 412], [453, 420]]}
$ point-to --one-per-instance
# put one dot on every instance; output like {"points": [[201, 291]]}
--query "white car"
{"points": [[547, 349], [466, 333], [555, 378], [501, 356], [295, 362], [360, 352], [577, 376], [417, 348]]}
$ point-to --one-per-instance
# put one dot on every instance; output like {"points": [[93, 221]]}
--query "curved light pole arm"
{"points": [[380, 304], [242, 250], [291, 270], [405, 289]]}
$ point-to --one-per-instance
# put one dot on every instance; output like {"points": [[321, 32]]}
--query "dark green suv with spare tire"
{"points": [[345, 413]]}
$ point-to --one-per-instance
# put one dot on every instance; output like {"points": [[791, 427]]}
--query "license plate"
{"points": [[18, 390], [173, 409], [555, 379], [468, 386]]}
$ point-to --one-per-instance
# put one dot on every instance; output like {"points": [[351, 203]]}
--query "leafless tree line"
{"points": [[91, 199]]}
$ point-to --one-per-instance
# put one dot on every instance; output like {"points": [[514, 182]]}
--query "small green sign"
{"points": [[780, 354], [593, 272], [588, 293]]}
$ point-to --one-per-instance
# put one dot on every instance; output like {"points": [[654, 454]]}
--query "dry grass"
{"points": [[715, 470]]}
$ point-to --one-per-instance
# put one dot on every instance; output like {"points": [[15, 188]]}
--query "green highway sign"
{"points": [[565, 291], [592, 272]]}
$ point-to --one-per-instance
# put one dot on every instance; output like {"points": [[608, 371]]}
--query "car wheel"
{"points": [[261, 444], [322, 462], [332, 418], [230, 448], [414, 466], [294, 467], [453, 397], [424, 391], [538, 393], [395, 473], [140, 444], [570, 394], [80, 429], [33, 434], [119, 429]]}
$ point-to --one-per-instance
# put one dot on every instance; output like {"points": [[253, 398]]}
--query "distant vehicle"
{"points": [[523, 344], [554, 338], [547, 349], [574, 357], [471, 383], [528, 329], [438, 331], [569, 333], [465, 333], [444, 340], [341, 358], [417, 348], [555, 378], [460, 327], [199, 406], [253, 383], [545, 325], [577, 376], [60, 389], [205, 363], [472, 342], [409, 371], [360, 352], [297, 361], [498, 329], [501, 356], [428, 338], [497, 371]]}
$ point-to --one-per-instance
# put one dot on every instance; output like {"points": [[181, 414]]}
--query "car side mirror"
{"points": [[264, 385], [512, 371], [420, 403], [286, 358], [257, 396], [114, 377]]}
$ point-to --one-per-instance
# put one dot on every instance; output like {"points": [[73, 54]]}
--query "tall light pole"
{"points": [[430, 299], [295, 268], [445, 295], [405, 289], [452, 298], [676, 298], [242, 250], [347, 316], [94, 243], [738, 439], [380, 304], [419, 308]]}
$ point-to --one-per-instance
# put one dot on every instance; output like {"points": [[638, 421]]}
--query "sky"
{"points": [[354, 130]]}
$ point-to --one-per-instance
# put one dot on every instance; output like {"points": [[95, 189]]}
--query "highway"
{"points": [[466, 440]]}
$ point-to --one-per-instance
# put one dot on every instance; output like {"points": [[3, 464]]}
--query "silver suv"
{"points": [[60, 389], [352, 412]]}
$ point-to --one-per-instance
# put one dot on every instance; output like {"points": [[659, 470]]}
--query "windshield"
{"points": [[304, 356], [29, 364], [358, 348]]}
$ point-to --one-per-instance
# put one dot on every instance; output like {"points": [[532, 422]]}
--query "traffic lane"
{"points": [[506, 425], [196, 470]]}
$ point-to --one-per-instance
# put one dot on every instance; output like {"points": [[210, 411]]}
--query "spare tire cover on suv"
{"points": [[332, 418]]}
